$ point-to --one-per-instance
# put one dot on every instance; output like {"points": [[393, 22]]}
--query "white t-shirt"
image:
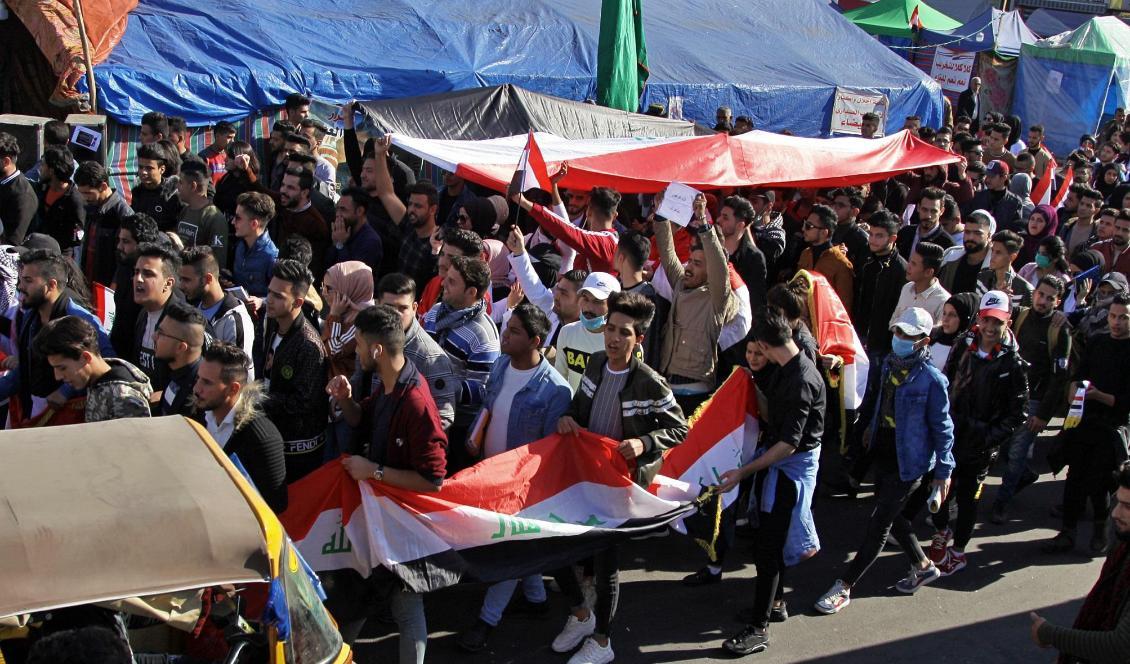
{"points": [[512, 381]]}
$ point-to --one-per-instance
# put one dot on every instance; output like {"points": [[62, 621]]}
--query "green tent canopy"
{"points": [[891, 18], [1100, 41]]}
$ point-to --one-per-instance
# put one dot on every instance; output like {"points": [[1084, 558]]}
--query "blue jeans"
{"points": [[498, 596], [1019, 453]]}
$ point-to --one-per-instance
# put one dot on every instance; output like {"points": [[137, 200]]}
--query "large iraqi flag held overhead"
{"points": [[539, 507], [648, 165]]}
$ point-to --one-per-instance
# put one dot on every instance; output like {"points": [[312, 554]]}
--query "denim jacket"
{"points": [[923, 428], [536, 407], [252, 267]]}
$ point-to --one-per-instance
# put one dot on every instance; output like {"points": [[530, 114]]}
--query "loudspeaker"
{"points": [[82, 150], [28, 130]]}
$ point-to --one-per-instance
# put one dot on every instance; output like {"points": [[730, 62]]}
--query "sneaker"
{"points": [[918, 578], [939, 545], [835, 599], [520, 607], [593, 653], [475, 638], [748, 641], [1000, 513], [574, 632], [953, 562], [703, 577]]}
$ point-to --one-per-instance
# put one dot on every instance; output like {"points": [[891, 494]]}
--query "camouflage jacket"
{"points": [[123, 392]]}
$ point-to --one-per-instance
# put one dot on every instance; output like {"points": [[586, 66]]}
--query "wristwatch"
{"points": [[379, 473]]}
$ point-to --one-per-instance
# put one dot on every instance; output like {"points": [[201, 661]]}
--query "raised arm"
{"points": [[385, 192]]}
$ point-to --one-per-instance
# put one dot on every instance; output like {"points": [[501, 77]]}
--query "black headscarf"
{"points": [[965, 304]]}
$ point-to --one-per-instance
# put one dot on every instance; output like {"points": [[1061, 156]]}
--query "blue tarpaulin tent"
{"points": [[228, 60], [1070, 81], [994, 30]]}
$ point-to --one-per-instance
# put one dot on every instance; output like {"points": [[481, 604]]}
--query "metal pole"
{"points": [[86, 56]]}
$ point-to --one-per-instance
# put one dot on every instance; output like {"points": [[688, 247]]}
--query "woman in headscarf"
{"points": [[1042, 222], [1021, 185], [957, 313], [1108, 177], [1087, 262], [1050, 259], [347, 289], [478, 215]]}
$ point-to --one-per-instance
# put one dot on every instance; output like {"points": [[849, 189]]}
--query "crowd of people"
{"points": [[408, 331]]}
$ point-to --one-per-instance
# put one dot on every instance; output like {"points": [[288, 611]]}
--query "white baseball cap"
{"points": [[914, 321], [600, 285], [996, 304]]}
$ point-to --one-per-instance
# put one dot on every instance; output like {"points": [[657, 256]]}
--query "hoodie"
{"points": [[123, 391]]}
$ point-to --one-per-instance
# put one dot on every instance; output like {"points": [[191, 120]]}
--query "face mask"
{"points": [[592, 324], [902, 347], [1043, 261]]}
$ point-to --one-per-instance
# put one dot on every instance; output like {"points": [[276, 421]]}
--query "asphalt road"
{"points": [[977, 615]]}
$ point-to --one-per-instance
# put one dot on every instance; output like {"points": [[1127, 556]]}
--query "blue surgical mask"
{"points": [[902, 347], [1043, 261], [592, 324]]}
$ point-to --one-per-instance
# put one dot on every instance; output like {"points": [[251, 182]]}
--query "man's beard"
{"points": [[1122, 535], [32, 300], [288, 203], [416, 222], [974, 247]]}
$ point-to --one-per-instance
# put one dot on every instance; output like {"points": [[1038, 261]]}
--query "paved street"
{"points": [[978, 615]]}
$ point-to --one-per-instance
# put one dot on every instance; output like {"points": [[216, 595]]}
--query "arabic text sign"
{"points": [[849, 107], [952, 69]]}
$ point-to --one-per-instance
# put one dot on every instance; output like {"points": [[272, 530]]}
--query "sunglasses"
{"points": [[809, 226]]}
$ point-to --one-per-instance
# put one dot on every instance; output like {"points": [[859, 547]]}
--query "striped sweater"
{"points": [[470, 339]]}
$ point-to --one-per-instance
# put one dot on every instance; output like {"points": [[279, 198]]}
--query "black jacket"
{"points": [[18, 206], [63, 218], [878, 284], [1006, 210], [855, 238], [100, 238], [906, 239], [749, 262], [296, 397], [259, 446], [182, 404], [162, 203], [967, 106], [988, 398], [125, 312]]}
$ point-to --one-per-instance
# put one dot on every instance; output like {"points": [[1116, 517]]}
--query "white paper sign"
{"points": [[678, 203], [87, 138], [675, 108], [1055, 79], [952, 69], [850, 106]]}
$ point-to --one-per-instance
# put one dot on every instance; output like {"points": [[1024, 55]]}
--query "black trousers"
{"points": [[769, 549], [606, 576], [891, 496]]}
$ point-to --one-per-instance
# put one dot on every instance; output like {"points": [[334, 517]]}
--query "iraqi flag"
{"points": [[915, 21], [1068, 178], [531, 171], [535, 508], [835, 335], [103, 304]]}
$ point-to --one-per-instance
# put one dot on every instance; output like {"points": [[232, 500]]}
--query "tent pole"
{"points": [[1102, 109], [86, 56]]}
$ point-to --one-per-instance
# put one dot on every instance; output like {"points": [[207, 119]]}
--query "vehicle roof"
{"points": [[101, 511]]}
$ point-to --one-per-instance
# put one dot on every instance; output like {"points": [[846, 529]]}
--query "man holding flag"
{"points": [[596, 246], [625, 400]]}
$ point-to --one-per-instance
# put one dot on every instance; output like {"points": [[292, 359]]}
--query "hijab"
{"points": [[354, 280], [963, 304], [1032, 242], [483, 216]]}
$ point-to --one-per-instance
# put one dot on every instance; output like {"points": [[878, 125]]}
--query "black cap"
{"points": [[38, 241], [546, 254]]}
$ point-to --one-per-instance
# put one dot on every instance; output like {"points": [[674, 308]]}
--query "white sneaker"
{"points": [[593, 653], [835, 599], [575, 631]]}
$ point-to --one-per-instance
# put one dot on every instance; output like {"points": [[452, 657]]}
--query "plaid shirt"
{"points": [[416, 259]]}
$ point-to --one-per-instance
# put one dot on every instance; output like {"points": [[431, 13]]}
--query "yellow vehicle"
{"points": [[110, 512]]}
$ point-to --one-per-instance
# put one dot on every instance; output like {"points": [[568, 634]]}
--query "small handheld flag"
{"points": [[531, 170]]}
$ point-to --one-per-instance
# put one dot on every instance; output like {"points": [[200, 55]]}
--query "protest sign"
{"points": [[850, 106], [678, 203]]}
